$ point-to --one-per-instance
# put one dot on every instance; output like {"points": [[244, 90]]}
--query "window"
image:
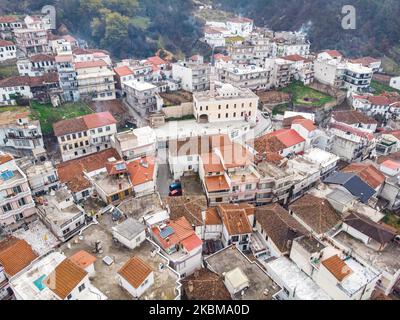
{"points": [[85, 193], [189, 158], [80, 135], [81, 287], [92, 131], [219, 107], [227, 115], [248, 186], [234, 114], [63, 139], [235, 239], [21, 202], [114, 197], [219, 116], [126, 193], [7, 207], [17, 189], [100, 130], [108, 128], [69, 297], [73, 136]]}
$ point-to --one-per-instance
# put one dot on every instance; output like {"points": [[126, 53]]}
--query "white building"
{"points": [[42, 177], [61, 214], [19, 131], [225, 103], [8, 50], [141, 96], [240, 26], [193, 76], [16, 201], [135, 143], [84, 135], [136, 276], [180, 244], [54, 277], [130, 233], [95, 80]]}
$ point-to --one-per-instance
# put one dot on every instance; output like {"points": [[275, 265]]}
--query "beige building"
{"points": [[225, 103], [95, 80]]}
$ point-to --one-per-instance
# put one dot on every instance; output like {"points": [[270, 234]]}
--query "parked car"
{"points": [[175, 186], [175, 193]]}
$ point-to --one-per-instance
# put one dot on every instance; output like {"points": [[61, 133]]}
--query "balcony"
{"points": [[13, 136], [11, 213]]}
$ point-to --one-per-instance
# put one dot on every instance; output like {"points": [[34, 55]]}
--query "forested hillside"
{"points": [[125, 27]]}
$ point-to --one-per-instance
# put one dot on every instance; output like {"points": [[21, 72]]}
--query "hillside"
{"points": [[377, 31], [141, 27]]}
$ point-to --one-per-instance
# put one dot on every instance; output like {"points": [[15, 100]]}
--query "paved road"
{"points": [[164, 178]]}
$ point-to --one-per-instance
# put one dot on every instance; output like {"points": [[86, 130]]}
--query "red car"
{"points": [[175, 193]]}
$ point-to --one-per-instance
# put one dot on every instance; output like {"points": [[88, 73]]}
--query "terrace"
{"points": [[105, 279]]}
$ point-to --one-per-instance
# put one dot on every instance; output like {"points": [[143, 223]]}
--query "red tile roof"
{"points": [[277, 141], [379, 100], [71, 172], [367, 172], [15, 255], [42, 57], [90, 64], [141, 170], [216, 183], [123, 71], [352, 117], [182, 230], [211, 163], [5, 158], [294, 57], [333, 53], [99, 119], [394, 165], [65, 278], [135, 271], [156, 60], [235, 219], [337, 267], [306, 124], [5, 43], [350, 129], [82, 259], [212, 217], [8, 19]]}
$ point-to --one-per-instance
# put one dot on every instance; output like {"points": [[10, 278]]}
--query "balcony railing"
{"points": [[14, 136]]}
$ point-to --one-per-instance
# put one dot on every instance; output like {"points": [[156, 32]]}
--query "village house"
{"points": [[180, 244], [283, 142], [8, 50], [193, 76], [32, 40], [326, 161], [36, 65], [352, 144], [42, 177], [373, 245], [67, 76], [141, 96], [388, 143], [204, 285], [143, 175], [54, 277], [135, 143], [243, 76], [315, 214], [10, 248], [276, 230], [340, 276], [302, 68], [237, 222], [391, 188], [130, 233], [74, 173], [58, 43], [95, 80], [240, 26], [112, 185], [225, 103], [12, 87], [8, 24], [19, 131], [84, 135], [245, 279], [84, 260], [369, 62], [17, 206], [62, 216], [355, 119], [136, 276], [281, 72]]}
